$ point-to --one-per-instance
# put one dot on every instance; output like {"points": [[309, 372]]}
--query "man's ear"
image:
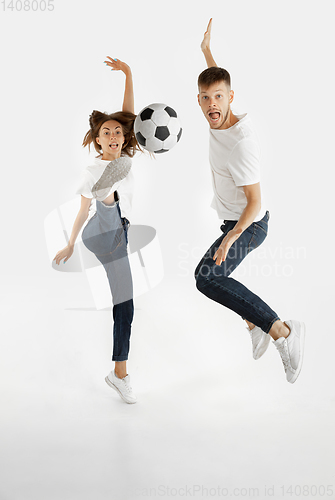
{"points": [[231, 96], [199, 99]]}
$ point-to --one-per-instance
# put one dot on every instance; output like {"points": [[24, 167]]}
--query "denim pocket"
{"points": [[263, 223], [259, 234]]}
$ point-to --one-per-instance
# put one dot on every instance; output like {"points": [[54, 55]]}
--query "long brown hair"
{"points": [[126, 120]]}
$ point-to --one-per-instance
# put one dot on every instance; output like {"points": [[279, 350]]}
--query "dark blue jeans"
{"points": [[106, 236], [214, 281]]}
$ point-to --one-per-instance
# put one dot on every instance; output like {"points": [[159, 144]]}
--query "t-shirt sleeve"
{"points": [[244, 163], [85, 184]]}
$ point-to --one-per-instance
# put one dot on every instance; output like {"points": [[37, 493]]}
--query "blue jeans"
{"points": [[214, 281], [106, 236]]}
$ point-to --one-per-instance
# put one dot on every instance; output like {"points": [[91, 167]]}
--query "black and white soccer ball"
{"points": [[157, 128]]}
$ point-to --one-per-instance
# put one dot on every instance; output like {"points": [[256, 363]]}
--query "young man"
{"points": [[234, 161]]}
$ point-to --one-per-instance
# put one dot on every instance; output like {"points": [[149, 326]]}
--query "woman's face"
{"points": [[111, 140]]}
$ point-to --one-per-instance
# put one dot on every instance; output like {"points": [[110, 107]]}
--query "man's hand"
{"points": [[118, 65], [205, 46], [207, 37], [221, 253]]}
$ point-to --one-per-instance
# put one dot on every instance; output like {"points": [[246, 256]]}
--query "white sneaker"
{"points": [[260, 341], [115, 171], [291, 349], [122, 386]]}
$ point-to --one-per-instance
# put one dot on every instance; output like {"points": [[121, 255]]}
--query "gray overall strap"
{"points": [[115, 171]]}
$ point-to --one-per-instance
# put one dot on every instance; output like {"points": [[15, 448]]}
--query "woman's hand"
{"points": [[64, 254], [128, 99], [207, 37], [230, 238], [118, 65]]}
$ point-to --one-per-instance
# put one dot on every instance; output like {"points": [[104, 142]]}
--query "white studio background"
{"points": [[222, 419]]}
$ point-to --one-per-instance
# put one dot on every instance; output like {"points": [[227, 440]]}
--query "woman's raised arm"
{"points": [[128, 100]]}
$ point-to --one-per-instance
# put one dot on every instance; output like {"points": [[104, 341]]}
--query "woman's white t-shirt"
{"points": [[91, 174], [234, 156]]}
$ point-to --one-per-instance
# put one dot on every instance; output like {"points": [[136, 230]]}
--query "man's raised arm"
{"points": [[205, 46]]}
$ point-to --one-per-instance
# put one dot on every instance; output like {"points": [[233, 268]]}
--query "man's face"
{"points": [[215, 104]]}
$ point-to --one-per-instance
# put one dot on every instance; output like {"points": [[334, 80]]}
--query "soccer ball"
{"points": [[157, 128]]}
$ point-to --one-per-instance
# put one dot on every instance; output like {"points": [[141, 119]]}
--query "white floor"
{"points": [[210, 421]]}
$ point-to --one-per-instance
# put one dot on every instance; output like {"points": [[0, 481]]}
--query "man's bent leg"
{"points": [[214, 282]]}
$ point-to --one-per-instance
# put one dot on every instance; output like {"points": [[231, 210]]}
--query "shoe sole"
{"points": [[110, 177], [302, 346], [108, 382]]}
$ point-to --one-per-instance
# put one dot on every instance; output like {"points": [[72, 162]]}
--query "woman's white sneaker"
{"points": [[260, 341], [122, 387], [291, 349]]}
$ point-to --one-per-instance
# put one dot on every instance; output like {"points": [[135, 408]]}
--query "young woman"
{"points": [[106, 197]]}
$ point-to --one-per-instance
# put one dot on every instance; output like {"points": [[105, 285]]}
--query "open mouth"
{"points": [[113, 145], [214, 116]]}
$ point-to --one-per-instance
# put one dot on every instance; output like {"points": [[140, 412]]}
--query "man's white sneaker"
{"points": [[291, 349], [260, 341], [122, 386]]}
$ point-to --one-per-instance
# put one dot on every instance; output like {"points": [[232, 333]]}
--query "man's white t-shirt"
{"points": [[91, 174], [234, 156]]}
